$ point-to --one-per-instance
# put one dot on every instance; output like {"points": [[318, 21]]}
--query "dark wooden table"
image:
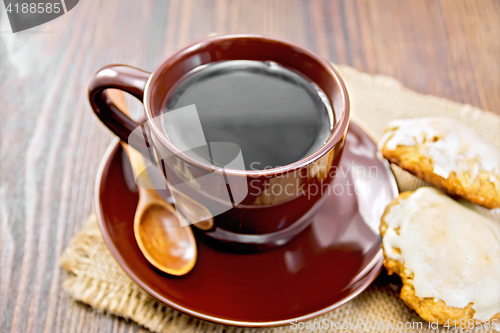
{"points": [[51, 143]]}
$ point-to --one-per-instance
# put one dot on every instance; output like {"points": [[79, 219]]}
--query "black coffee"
{"points": [[275, 115]]}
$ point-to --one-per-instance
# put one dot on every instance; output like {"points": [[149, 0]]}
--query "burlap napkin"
{"points": [[96, 279]]}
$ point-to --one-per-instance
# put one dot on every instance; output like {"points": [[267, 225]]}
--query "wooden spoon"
{"points": [[163, 236]]}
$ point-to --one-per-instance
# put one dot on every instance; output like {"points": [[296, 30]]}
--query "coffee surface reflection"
{"points": [[275, 115]]}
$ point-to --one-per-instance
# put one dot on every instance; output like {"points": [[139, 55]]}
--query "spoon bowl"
{"points": [[158, 232]]}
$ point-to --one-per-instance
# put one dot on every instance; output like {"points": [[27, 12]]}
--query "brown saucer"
{"points": [[326, 265]]}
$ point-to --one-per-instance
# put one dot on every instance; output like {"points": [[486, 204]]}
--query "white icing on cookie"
{"points": [[452, 146], [453, 252]]}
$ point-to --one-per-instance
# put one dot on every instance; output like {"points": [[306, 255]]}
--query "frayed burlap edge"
{"points": [[124, 300]]}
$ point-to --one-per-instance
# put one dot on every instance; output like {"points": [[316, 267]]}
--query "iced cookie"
{"points": [[448, 257], [447, 154]]}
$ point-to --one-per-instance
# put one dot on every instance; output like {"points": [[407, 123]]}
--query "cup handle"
{"points": [[128, 79]]}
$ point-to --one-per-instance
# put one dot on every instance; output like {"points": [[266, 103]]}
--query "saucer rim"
{"points": [[374, 266]]}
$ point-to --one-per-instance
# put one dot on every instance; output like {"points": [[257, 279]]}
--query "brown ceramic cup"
{"points": [[272, 205]]}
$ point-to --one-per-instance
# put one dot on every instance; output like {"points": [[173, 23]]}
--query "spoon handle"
{"points": [[192, 210], [136, 158]]}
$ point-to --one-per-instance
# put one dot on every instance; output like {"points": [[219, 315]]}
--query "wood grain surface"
{"points": [[51, 142]]}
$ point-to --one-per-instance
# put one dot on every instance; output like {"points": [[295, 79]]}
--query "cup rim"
{"points": [[336, 133]]}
